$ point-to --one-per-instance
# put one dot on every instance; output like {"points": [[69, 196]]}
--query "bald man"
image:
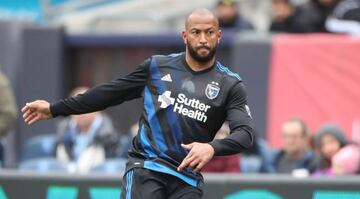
{"points": [[187, 97]]}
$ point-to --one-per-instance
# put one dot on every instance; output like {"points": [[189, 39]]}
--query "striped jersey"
{"points": [[180, 105]]}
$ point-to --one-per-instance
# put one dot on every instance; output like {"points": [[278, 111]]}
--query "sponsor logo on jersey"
{"points": [[212, 90], [167, 78], [165, 99], [185, 106]]}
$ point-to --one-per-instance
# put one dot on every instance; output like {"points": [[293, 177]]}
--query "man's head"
{"points": [[201, 35], [294, 133]]}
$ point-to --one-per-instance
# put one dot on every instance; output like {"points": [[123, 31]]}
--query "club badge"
{"points": [[212, 90]]}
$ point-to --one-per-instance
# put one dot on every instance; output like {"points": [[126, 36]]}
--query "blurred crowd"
{"points": [[90, 143], [326, 152], [312, 16]]}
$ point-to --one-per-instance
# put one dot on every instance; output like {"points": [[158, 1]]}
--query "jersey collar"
{"points": [[196, 72]]}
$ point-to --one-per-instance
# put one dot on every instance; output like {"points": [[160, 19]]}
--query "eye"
{"points": [[195, 32], [210, 32]]}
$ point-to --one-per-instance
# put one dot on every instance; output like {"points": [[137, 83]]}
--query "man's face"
{"points": [[201, 37], [293, 138]]}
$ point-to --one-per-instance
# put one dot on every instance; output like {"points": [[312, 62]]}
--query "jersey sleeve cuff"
{"points": [[54, 109], [217, 147]]}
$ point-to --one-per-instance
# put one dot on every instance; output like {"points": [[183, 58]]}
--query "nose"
{"points": [[203, 39]]}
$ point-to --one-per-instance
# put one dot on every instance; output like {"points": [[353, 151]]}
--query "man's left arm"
{"points": [[240, 123], [240, 138]]}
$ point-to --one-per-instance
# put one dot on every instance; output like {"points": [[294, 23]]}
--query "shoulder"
{"points": [[167, 58], [232, 80], [227, 72]]}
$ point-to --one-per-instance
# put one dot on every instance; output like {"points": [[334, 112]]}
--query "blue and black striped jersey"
{"points": [[180, 106]]}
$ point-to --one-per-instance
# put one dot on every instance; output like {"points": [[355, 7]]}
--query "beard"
{"points": [[201, 58]]}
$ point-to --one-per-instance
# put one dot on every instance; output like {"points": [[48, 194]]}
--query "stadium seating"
{"points": [[42, 165], [110, 166], [39, 147]]}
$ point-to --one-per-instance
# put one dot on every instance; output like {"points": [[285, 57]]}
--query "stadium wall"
{"points": [[217, 186]]}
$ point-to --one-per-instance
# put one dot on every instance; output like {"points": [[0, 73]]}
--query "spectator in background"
{"points": [[312, 15], [328, 141], [223, 164], [7, 106], [283, 17], [295, 153], [346, 161], [229, 17], [257, 158], [345, 18], [7, 109], [85, 141]]}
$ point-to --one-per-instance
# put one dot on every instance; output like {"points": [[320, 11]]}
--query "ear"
{"points": [[184, 36], [219, 35]]}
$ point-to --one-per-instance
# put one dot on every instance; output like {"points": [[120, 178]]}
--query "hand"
{"points": [[198, 156], [35, 111]]}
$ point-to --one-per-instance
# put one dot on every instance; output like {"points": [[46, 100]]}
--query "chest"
{"points": [[196, 96]]}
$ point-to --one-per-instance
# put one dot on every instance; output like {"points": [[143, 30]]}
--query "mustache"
{"points": [[203, 46]]}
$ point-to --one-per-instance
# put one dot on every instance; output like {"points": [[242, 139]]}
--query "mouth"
{"points": [[203, 48]]}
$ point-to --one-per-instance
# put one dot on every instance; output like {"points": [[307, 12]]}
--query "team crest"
{"points": [[212, 90]]}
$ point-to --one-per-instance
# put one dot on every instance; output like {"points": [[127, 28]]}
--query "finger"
{"points": [[30, 117], [25, 108], [188, 146], [35, 119], [27, 113], [182, 166], [32, 105], [185, 162], [199, 166], [193, 163]]}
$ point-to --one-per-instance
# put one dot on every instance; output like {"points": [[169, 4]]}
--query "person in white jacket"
{"points": [[85, 141]]}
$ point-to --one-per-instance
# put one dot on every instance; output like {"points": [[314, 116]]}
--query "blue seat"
{"points": [[39, 147], [110, 166], [42, 165]]}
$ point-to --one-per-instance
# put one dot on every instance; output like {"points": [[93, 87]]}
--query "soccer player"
{"points": [[187, 97]]}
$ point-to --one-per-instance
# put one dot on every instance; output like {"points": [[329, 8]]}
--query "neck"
{"points": [[198, 66]]}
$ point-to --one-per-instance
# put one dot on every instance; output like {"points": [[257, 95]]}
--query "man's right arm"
{"points": [[95, 99], [104, 95]]}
